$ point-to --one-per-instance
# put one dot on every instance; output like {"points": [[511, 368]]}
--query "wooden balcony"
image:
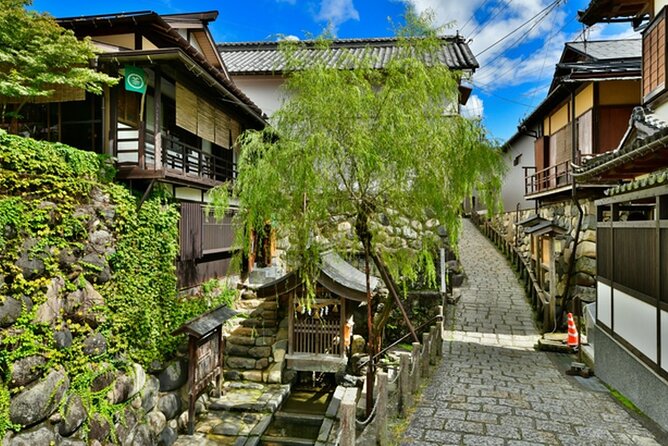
{"points": [[140, 157], [551, 179]]}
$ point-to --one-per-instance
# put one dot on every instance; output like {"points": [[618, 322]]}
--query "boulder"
{"points": [[74, 415], [100, 238], [236, 349], [99, 428], [167, 437], [50, 311], [98, 267], [81, 305], [140, 436], [95, 344], [127, 385], [40, 435], [149, 394], [262, 363], [31, 264], [125, 426], [102, 381], [260, 352], [170, 405], [62, 338], [156, 422], [174, 375], [26, 370], [40, 400], [279, 349], [586, 249], [235, 362], [10, 310], [586, 265]]}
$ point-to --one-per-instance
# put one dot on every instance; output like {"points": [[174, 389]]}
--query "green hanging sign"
{"points": [[135, 79]]}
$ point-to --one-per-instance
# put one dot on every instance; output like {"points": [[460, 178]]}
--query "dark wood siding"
{"points": [[612, 124], [635, 259], [603, 252], [190, 231], [654, 57]]}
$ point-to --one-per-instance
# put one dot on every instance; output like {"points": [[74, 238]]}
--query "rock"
{"points": [[102, 381], [279, 349], [282, 334], [232, 375], [586, 265], [167, 437], [589, 236], [100, 238], [40, 435], [10, 310], [125, 426], [74, 415], [149, 394], [31, 264], [260, 352], [141, 436], [183, 421], [81, 305], [156, 422], [63, 338], [94, 345], [586, 249], [262, 363], [40, 400], [71, 442], [585, 280], [264, 341], [289, 376], [98, 267], [127, 385], [170, 405], [275, 373], [26, 370], [50, 311], [174, 375], [236, 362], [253, 375], [67, 257], [99, 428], [236, 350]]}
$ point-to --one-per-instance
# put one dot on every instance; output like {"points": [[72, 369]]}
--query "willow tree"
{"points": [[364, 145]]}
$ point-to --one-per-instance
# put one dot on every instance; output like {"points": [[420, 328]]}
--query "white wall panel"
{"points": [[635, 321], [604, 304]]}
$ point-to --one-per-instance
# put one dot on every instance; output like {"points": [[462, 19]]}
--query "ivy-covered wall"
{"points": [[88, 296]]}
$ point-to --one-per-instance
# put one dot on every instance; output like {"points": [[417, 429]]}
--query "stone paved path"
{"points": [[492, 388]]}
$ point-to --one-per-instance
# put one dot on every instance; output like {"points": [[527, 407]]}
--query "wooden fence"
{"points": [[393, 397]]}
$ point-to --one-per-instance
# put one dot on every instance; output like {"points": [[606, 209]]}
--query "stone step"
{"points": [[287, 441], [303, 418]]}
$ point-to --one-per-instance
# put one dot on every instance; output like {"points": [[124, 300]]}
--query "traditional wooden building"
{"points": [[172, 120], [319, 332], [631, 331]]}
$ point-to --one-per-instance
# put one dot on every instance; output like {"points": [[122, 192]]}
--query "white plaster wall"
{"points": [[604, 304], [635, 321], [512, 191], [265, 91]]}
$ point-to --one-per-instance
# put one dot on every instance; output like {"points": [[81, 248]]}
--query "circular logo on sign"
{"points": [[136, 80]]}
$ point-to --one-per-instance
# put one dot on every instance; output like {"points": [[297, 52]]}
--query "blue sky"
{"points": [[514, 73]]}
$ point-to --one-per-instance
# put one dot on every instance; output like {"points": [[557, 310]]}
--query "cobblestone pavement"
{"points": [[492, 388]]}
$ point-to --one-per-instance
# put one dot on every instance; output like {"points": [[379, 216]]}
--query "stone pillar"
{"points": [[405, 386], [426, 348], [381, 409], [434, 344], [415, 366]]}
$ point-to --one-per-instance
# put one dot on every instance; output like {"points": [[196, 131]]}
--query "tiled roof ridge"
{"points": [[655, 178], [629, 39], [275, 43]]}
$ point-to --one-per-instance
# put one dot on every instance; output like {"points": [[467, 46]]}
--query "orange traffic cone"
{"points": [[572, 340]]}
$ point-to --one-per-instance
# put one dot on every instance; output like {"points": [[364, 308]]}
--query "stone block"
{"points": [[259, 352], [279, 349], [40, 400], [262, 341], [274, 374], [236, 362], [74, 415], [174, 375], [26, 370], [586, 249], [236, 350], [240, 340]]}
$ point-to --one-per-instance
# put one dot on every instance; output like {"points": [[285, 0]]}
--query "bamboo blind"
{"points": [[60, 93], [186, 109], [205, 120], [222, 130]]}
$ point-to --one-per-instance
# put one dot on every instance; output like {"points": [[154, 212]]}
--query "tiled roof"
{"points": [[266, 58], [653, 179], [651, 134], [609, 49]]}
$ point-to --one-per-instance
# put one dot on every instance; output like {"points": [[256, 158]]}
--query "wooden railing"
{"points": [[320, 337], [190, 160], [547, 179], [524, 267]]}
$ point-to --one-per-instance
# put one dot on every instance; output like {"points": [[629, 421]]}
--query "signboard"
{"points": [[135, 79]]}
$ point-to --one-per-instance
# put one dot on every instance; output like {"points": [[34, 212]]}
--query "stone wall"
{"points": [[564, 214]]}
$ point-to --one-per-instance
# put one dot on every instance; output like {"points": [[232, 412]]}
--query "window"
{"points": [[517, 160]]}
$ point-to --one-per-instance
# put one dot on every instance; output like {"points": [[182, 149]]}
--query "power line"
{"points": [[498, 11], [474, 13], [548, 8]]}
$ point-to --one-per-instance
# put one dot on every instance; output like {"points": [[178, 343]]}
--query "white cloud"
{"points": [[474, 107], [288, 37], [519, 59], [336, 12]]}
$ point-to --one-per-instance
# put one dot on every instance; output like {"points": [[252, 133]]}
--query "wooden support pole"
{"points": [[415, 366], [426, 346], [381, 409], [434, 345], [405, 387]]}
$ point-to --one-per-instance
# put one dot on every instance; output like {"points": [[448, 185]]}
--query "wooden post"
{"points": [[415, 366], [381, 409], [426, 347], [434, 344], [347, 422], [441, 330], [405, 388]]}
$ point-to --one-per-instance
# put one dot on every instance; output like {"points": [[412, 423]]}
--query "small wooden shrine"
{"points": [[320, 335]]}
